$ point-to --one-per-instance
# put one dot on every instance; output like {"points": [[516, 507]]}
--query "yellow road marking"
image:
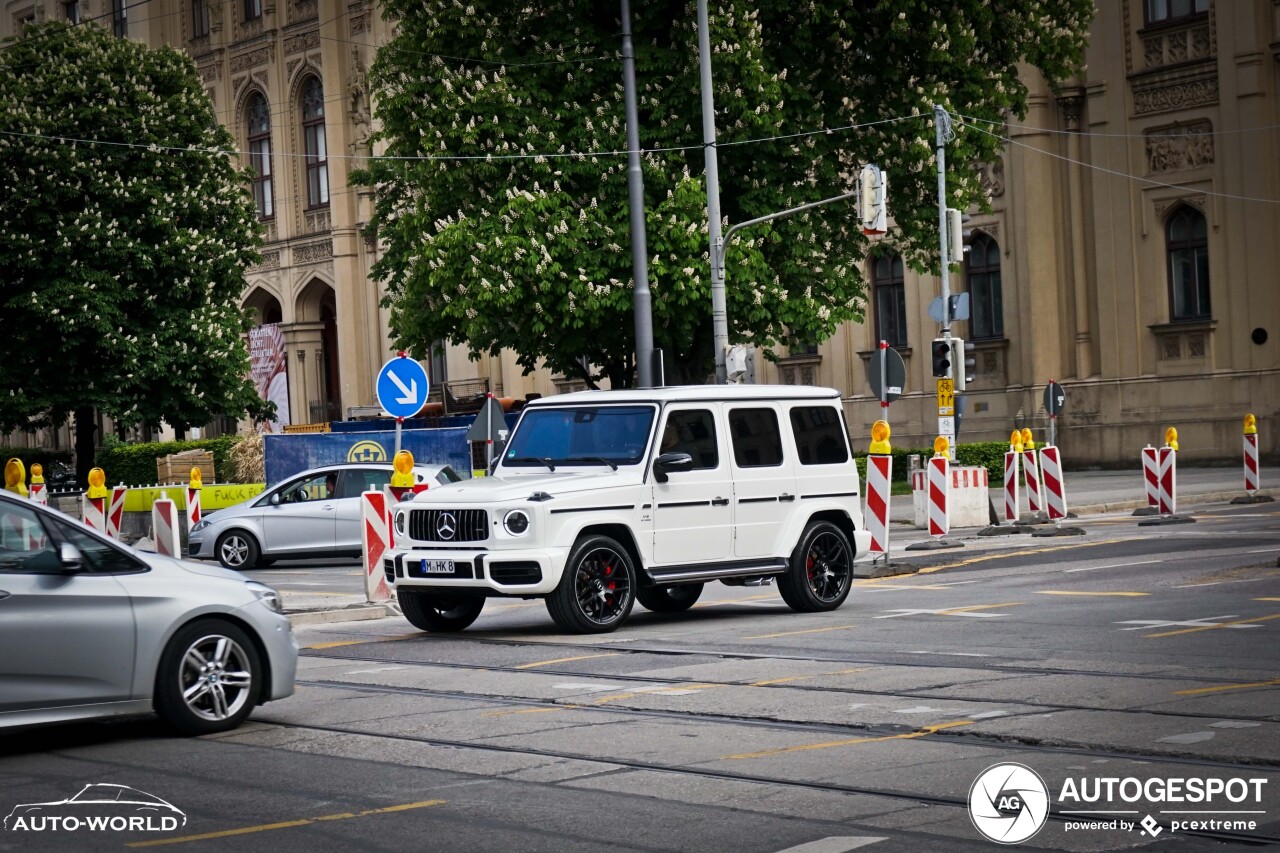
{"points": [[769, 681], [267, 827], [565, 660], [1212, 627], [1267, 599], [630, 694], [719, 601], [793, 633], [927, 730], [336, 643], [1068, 592], [530, 711], [1001, 555], [955, 610], [1271, 683]]}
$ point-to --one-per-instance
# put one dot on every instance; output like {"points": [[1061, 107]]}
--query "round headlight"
{"points": [[516, 522], [400, 522]]}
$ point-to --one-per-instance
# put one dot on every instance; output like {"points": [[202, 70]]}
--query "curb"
{"points": [[357, 613]]}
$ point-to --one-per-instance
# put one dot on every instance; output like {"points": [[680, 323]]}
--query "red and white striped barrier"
{"points": [[115, 511], [375, 541], [939, 485], [1031, 471], [193, 507], [164, 526], [1251, 479], [38, 493], [1011, 486], [879, 475], [1055, 491], [1168, 481], [93, 512], [1151, 475]]}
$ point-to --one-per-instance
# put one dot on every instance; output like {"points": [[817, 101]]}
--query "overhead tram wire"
{"points": [[1091, 135]]}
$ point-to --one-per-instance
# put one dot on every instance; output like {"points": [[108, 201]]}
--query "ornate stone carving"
{"points": [[213, 97], [1162, 207], [249, 29], [1128, 37], [261, 76], [302, 10], [990, 362], [212, 72], [991, 178], [313, 253], [1153, 51], [1186, 147], [199, 44], [1194, 41], [1171, 347], [302, 42], [1195, 346], [316, 221], [290, 66], [1072, 107], [359, 23], [237, 83], [358, 104], [270, 261], [271, 234], [261, 56], [1178, 95]]}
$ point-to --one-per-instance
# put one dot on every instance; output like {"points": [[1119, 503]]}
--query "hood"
{"points": [[501, 489], [208, 570]]}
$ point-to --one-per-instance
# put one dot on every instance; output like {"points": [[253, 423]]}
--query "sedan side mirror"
{"points": [[669, 462], [275, 499], [70, 557]]}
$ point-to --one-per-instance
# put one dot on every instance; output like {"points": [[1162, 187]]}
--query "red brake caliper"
{"points": [[808, 565]]}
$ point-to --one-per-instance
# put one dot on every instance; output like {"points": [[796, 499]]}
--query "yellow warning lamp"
{"points": [[880, 438], [14, 476], [1171, 437], [1015, 441], [402, 478], [196, 479], [1026, 439], [940, 445], [1250, 426], [37, 474], [97, 484]]}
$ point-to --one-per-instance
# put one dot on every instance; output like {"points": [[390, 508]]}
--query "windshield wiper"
{"points": [[519, 460], [599, 459]]}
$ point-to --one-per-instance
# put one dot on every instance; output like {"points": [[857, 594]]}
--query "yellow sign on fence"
{"points": [[211, 497]]}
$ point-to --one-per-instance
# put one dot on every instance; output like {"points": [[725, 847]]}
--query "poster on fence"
{"points": [[270, 372]]}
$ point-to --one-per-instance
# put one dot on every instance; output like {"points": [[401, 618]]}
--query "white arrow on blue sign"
{"points": [[402, 387]]}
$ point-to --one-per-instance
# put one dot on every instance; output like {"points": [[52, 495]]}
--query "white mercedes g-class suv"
{"points": [[601, 498]]}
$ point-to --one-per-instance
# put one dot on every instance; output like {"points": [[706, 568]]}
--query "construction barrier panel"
{"points": [[93, 512], [1151, 475], [1251, 479], [1032, 477], [879, 476], [1011, 503], [1055, 490], [115, 511], [164, 528], [1168, 481], [939, 475], [969, 495], [375, 542]]}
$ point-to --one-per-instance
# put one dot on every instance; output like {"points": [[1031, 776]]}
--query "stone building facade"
{"points": [[1130, 252]]}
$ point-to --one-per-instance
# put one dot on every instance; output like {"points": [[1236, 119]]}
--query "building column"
{"points": [[302, 347], [1072, 104]]}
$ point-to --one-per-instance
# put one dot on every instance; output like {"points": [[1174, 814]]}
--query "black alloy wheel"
{"points": [[821, 571], [597, 590]]}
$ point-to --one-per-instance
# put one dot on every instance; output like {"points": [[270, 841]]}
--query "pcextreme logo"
{"points": [[99, 807]]}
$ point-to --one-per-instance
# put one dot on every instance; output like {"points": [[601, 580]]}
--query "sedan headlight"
{"points": [[200, 525], [266, 595], [400, 522], [516, 522]]}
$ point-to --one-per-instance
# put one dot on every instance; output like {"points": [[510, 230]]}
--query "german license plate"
{"points": [[438, 567]]}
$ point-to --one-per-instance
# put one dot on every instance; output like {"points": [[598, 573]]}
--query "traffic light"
{"points": [[962, 358], [941, 351], [873, 195]]}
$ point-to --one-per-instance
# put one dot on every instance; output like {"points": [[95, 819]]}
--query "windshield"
{"points": [[585, 435]]}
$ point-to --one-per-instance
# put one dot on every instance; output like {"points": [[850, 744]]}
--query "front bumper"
{"points": [[517, 573]]}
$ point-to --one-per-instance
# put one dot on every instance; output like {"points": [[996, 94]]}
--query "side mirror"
{"points": [[275, 499], [71, 558], [668, 462]]}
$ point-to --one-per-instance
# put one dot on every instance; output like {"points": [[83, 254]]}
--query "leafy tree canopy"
{"points": [[120, 266], [526, 245]]}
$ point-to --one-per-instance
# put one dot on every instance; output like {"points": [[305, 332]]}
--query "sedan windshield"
{"points": [[582, 435]]}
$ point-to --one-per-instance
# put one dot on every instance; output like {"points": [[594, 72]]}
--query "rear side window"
{"points": [[819, 437], [356, 481], [691, 431], [757, 440]]}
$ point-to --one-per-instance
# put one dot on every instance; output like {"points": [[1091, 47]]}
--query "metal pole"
{"points": [[884, 369], [719, 309], [488, 433], [941, 125], [399, 423], [641, 301]]}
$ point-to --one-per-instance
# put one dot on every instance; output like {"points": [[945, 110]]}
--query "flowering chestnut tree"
{"points": [[526, 243], [125, 229]]}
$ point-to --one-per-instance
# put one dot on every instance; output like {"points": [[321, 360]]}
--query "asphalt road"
{"points": [[1148, 656]]}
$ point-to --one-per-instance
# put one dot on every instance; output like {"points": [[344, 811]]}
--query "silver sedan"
{"points": [[91, 628], [313, 514]]}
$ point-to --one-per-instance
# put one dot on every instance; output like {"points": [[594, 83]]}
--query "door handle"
{"points": [[720, 502], [4, 594], [786, 497], [327, 507]]}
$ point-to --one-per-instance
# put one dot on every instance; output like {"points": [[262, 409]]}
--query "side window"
{"points": [[24, 547], [819, 438], [757, 441], [317, 488], [692, 431], [100, 557], [356, 481], [447, 475]]}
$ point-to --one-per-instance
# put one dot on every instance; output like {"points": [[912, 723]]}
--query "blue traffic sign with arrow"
{"points": [[402, 387]]}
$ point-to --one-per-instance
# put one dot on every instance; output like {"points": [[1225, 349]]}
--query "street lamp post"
{"points": [[641, 300]]}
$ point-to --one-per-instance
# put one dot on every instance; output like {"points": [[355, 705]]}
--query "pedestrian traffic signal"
{"points": [[962, 358], [873, 195], [941, 351]]}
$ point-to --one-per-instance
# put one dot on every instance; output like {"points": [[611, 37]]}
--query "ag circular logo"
{"points": [[1008, 803], [367, 451]]}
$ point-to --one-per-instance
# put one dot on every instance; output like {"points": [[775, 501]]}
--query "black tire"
{"points": [[439, 612], [669, 599], [821, 570], [263, 562], [237, 550], [597, 590], [209, 678]]}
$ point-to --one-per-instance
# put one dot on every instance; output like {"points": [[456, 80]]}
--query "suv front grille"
{"points": [[435, 525]]}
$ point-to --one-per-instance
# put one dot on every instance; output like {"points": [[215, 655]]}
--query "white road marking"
{"points": [[1263, 551], [1208, 622], [928, 709], [835, 844], [1234, 724], [1113, 566], [375, 669], [1189, 737], [987, 715], [948, 654], [941, 611]]}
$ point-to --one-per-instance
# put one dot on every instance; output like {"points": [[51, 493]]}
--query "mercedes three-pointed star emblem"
{"points": [[446, 525]]}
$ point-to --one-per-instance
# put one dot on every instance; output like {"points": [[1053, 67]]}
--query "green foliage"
{"points": [[135, 464], [120, 267], [984, 454], [532, 252]]}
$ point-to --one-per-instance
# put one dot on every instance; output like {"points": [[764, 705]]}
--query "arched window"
{"points": [[260, 154], [890, 296], [986, 302], [314, 142], [1187, 242]]}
